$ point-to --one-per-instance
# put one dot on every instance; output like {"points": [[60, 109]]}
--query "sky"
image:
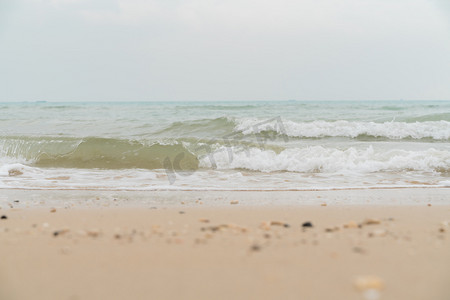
{"points": [[218, 50]]}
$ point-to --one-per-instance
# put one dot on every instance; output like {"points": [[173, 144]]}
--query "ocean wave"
{"points": [[319, 159], [200, 127], [192, 154], [437, 130], [102, 153]]}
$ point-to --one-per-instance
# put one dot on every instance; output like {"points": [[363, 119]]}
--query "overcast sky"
{"points": [[161, 50]]}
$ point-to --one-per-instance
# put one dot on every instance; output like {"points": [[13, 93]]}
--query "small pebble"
{"points": [[255, 248], [372, 222], [52, 210], [60, 232], [323, 204], [234, 202], [93, 233], [428, 204], [332, 229], [351, 224], [265, 225], [3, 217], [278, 223], [204, 220], [181, 212], [307, 224]]}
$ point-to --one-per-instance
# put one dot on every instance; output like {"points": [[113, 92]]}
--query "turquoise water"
{"points": [[224, 145]]}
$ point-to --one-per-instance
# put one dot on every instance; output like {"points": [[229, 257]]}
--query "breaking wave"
{"points": [[318, 159], [94, 152], [437, 130]]}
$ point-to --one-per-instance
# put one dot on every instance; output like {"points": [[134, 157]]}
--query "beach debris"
{"points": [[278, 223], [323, 204], [265, 225], [441, 229], [93, 233], [378, 233], [332, 229], [204, 220], [3, 217], [370, 282], [255, 247], [307, 225], [181, 212], [234, 202], [371, 222], [237, 228], [351, 224], [60, 232], [213, 228], [429, 204], [52, 210], [224, 227], [182, 203]]}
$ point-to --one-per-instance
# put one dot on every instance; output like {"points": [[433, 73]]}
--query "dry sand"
{"points": [[233, 251]]}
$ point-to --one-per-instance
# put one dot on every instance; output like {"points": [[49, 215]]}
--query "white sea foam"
{"points": [[445, 183], [318, 159], [439, 130]]}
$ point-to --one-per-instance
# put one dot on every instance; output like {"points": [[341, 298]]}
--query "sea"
{"points": [[254, 145]]}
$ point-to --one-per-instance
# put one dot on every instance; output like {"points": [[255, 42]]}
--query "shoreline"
{"points": [[97, 198], [350, 188]]}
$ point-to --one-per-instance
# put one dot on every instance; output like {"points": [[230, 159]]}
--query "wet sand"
{"points": [[233, 251]]}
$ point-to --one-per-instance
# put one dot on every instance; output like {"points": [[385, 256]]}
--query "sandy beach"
{"points": [[195, 248]]}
